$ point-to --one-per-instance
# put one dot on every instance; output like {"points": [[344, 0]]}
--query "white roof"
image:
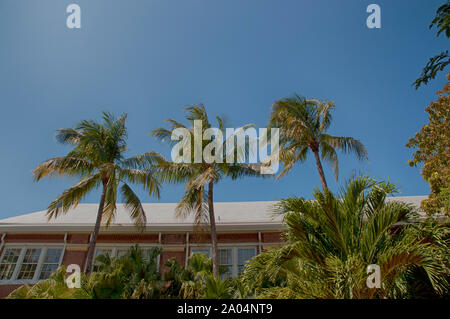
{"points": [[229, 215], [159, 215]]}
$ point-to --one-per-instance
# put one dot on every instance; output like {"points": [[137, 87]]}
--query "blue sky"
{"points": [[150, 58]]}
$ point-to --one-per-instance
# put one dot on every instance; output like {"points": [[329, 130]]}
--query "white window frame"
{"points": [[23, 248], [234, 252]]}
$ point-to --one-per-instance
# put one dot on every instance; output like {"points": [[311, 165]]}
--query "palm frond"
{"points": [[147, 179], [133, 205], [346, 145], [68, 136], [66, 165], [73, 195]]}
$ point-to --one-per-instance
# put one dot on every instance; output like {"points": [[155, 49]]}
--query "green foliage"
{"points": [[54, 287], [196, 281], [134, 275], [441, 61], [431, 146], [332, 240], [442, 19]]}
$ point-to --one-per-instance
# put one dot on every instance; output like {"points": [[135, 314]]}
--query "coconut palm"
{"points": [[303, 124], [97, 158], [201, 177], [332, 240]]}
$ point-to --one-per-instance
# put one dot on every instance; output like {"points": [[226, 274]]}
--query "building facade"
{"points": [[32, 247]]}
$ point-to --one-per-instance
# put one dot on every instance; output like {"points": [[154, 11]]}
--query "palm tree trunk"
{"points": [[93, 242], [212, 222], [320, 169]]}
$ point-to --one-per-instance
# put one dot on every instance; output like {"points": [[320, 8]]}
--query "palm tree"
{"points": [[332, 240], [201, 177], [303, 124], [97, 158]]}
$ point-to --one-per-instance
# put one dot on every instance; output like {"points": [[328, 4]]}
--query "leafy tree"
{"points": [[201, 177], [438, 62], [303, 124], [332, 240], [432, 150], [97, 158]]}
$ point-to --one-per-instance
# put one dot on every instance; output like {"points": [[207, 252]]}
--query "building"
{"points": [[32, 247]]}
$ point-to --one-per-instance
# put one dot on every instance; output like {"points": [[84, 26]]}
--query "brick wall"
{"points": [[5, 290]]}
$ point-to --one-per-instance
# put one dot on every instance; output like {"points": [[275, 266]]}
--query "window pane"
{"points": [[52, 256], [29, 263], [51, 262], [8, 263], [225, 256], [226, 262], [31, 256], [244, 254], [47, 270]]}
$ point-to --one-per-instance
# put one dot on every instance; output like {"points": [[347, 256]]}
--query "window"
{"points": [[29, 264], [51, 262], [231, 259], [244, 254], [226, 261], [8, 263]]}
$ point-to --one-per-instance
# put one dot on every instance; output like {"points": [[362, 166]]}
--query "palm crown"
{"points": [[97, 158], [201, 177], [303, 124]]}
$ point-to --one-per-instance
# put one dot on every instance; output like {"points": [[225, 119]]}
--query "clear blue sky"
{"points": [[150, 58]]}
